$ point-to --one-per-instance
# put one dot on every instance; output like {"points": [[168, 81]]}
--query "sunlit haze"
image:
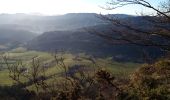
{"points": [[55, 7]]}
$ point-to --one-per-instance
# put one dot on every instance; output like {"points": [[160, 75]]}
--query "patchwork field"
{"points": [[71, 61]]}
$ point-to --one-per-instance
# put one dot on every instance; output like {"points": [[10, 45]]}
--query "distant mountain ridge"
{"points": [[41, 24], [81, 41], [70, 32], [10, 38]]}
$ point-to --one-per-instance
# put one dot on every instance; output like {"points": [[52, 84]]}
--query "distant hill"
{"points": [[10, 38], [69, 32], [41, 24], [79, 41]]}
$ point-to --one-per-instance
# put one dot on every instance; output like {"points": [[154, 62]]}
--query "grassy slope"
{"points": [[120, 69]]}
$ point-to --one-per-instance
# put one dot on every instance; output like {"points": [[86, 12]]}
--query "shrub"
{"points": [[150, 82]]}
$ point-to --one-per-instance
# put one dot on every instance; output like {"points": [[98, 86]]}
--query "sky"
{"points": [[58, 7]]}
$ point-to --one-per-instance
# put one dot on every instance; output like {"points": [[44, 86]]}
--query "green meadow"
{"points": [[120, 69]]}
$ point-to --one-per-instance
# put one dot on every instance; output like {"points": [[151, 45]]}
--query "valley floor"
{"points": [[116, 68]]}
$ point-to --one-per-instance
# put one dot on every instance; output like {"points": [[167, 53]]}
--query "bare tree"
{"points": [[158, 33], [84, 83]]}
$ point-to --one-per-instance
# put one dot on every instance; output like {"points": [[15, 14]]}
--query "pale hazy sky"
{"points": [[55, 7]]}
